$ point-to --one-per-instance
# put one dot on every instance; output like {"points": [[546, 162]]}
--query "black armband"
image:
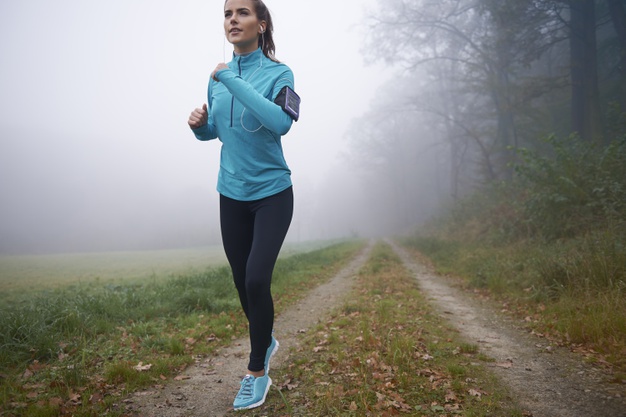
{"points": [[289, 101]]}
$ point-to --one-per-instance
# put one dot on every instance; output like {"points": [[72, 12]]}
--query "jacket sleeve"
{"points": [[208, 131], [270, 114]]}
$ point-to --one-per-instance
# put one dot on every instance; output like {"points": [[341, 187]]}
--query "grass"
{"points": [[385, 352], [23, 276], [574, 290], [77, 351]]}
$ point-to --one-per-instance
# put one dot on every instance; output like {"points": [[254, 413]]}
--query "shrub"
{"points": [[577, 187]]}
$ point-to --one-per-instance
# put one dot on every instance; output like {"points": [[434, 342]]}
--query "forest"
{"points": [[510, 114], [484, 81]]}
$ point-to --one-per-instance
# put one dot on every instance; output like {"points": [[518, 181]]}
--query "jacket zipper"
{"points": [[232, 100]]}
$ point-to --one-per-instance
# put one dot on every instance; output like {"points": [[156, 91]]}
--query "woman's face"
{"points": [[241, 25]]}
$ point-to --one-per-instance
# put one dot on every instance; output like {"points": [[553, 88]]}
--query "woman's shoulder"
{"points": [[277, 65]]}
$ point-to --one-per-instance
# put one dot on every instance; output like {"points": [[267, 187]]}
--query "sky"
{"points": [[95, 151]]}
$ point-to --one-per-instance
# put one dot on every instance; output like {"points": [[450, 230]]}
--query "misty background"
{"points": [[95, 151], [407, 107]]}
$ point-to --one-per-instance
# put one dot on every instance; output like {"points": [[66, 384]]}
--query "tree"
{"points": [[586, 112], [490, 42]]}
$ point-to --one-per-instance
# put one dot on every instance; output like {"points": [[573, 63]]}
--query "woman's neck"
{"points": [[244, 53]]}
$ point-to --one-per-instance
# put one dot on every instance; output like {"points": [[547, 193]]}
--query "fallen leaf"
{"points": [[55, 401], [451, 397], [141, 367], [476, 393], [95, 398], [75, 398]]}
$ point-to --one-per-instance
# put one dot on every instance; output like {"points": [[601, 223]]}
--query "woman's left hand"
{"points": [[219, 67]]}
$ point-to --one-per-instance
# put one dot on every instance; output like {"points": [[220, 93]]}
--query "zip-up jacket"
{"points": [[243, 115]]}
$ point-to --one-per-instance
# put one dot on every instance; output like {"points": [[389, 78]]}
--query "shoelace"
{"points": [[246, 387]]}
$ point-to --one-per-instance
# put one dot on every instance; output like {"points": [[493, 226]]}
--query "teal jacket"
{"points": [[243, 115]]}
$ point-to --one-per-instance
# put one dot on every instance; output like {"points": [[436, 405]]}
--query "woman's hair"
{"points": [[266, 39]]}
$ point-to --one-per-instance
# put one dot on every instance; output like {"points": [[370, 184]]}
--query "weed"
{"points": [[468, 348]]}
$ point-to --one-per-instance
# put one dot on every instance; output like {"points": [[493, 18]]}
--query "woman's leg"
{"points": [[237, 224], [252, 234], [271, 223]]}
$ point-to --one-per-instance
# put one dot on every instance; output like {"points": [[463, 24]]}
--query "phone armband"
{"points": [[289, 101]]}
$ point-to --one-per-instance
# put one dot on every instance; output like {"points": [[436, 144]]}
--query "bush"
{"points": [[579, 186]]}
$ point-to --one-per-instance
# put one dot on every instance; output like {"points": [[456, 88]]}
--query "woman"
{"points": [[251, 104]]}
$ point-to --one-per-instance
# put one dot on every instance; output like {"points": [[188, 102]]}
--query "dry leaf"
{"points": [[451, 397], [476, 393], [141, 367]]}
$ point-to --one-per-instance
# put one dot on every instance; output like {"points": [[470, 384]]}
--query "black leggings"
{"points": [[253, 233]]}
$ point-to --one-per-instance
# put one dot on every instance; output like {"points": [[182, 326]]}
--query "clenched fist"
{"points": [[198, 117]]}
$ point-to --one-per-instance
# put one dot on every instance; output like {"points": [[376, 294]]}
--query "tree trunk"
{"points": [[584, 70], [618, 16]]}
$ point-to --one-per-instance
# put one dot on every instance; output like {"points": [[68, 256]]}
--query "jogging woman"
{"points": [[251, 104]]}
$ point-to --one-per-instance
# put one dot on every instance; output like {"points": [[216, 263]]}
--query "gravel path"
{"points": [[547, 381]]}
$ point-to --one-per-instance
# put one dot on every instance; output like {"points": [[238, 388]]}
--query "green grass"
{"points": [[23, 276], [91, 339], [385, 352], [575, 289]]}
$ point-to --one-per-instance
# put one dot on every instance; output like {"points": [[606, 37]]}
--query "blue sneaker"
{"points": [[270, 352], [252, 392]]}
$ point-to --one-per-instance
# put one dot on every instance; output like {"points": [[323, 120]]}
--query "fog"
{"points": [[95, 150]]}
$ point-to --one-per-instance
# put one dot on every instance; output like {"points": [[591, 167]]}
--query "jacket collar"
{"points": [[249, 60]]}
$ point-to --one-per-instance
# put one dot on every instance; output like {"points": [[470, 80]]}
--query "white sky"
{"points": [[94, 99]]}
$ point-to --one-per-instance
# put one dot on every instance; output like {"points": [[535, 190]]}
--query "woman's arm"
{"points": [[201, 123], [270, 114]]}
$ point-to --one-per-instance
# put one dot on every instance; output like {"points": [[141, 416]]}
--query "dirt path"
{"points": [[547, 381], [212, 383]]}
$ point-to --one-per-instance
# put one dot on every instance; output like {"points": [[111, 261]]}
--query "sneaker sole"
{"points": [[271, 355], [260, 402]]}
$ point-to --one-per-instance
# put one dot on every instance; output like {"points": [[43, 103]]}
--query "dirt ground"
{"points": [[547, 381]]}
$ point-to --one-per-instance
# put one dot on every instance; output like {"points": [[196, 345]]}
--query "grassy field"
{"points": [[73, 350], [21, 276]]}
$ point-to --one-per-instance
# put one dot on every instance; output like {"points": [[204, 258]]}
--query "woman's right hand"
{"points": [[198, 117]]}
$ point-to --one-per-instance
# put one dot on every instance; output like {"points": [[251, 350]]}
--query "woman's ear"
{"points": [[262, 27]]}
